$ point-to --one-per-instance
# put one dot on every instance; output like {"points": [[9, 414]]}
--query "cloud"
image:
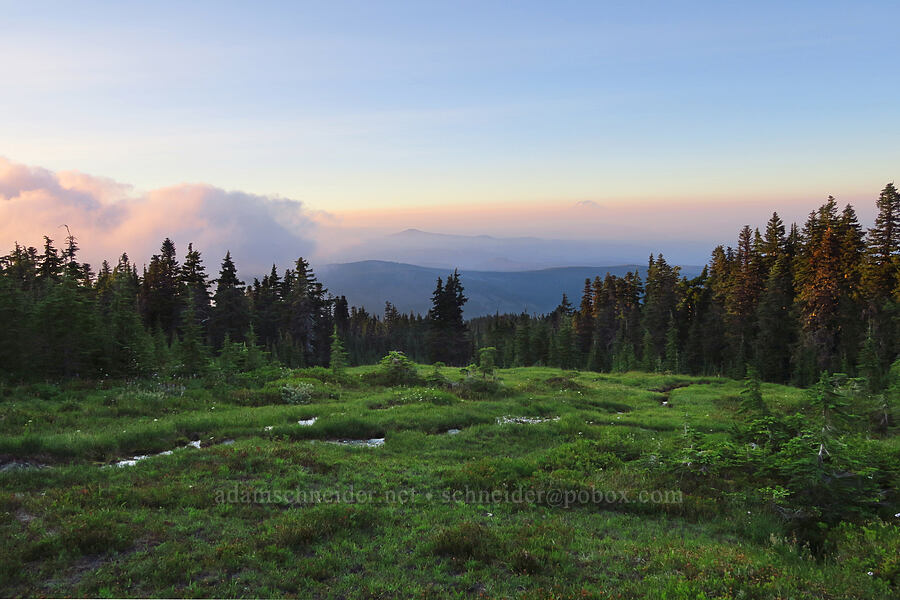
{"points": [[586, 204], [108, 218]]}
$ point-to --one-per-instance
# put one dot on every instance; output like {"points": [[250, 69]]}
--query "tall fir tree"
{"points": [[194, 279], [448, 339], [230, 314], [161, 296], [776, 324]]}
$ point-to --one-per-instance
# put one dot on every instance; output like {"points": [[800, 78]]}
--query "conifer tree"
{"points": [[193, 352], [660, 303], [869, 366], [565, 344], [230, 314], [487, 361], [672, 363], [522, 341], [193, 278], [67, 330], [776, 323], [255, 356], [16, 326], [51, 264], [883, 242], [563, 309], [104, 283], [447, 333], [584, 320], [649, 359], [129, 348], [163, 356], [338, 358], [819, 285], [774, 242], [308, 315], [160, 291], [71, 268], [751, 396], [743, 297], [624, 358]]}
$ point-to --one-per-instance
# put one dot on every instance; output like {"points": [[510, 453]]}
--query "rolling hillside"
{"points": [[371, 283]]}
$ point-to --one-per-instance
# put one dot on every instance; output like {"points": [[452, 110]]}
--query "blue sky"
{"points": [[366, 106]]}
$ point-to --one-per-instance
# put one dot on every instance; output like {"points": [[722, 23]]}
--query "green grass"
{"points": [[426, 514]]}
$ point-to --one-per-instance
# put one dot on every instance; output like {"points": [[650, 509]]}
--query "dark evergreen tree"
{"points": [[160, 292], [523, 342], [129, 347], [51, 264], [230, 314], [194, 280], [338, 359], [448, 339], [883, 245], [776, 322], [584, 320], [659, 305], [192, 351]]}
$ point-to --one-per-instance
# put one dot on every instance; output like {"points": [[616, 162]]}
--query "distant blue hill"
{"points": [[371, 283]]}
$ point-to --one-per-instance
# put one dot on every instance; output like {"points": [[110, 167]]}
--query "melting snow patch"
{"points": [[130, 462], [524, 420], [373, 443], [307, 421]]}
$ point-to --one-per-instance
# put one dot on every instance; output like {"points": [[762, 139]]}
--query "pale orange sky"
{"points": [[110, 217]]}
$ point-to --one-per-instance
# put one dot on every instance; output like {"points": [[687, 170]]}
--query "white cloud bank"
{"points": [[108, 218]]}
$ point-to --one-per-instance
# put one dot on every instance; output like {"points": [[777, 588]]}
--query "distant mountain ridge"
{"points": [[371, 283], [490, 253]]}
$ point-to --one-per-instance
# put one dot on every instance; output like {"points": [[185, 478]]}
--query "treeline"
{"points": [[790, 302], [61, 319]]}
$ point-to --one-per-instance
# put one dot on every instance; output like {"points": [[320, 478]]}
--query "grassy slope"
{"points": [[156, 529]]}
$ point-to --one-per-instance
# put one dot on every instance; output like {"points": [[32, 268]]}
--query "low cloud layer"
{"points": [[108, 218]]}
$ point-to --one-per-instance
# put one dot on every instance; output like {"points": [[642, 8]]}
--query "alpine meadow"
{"points": [[437, 361]]}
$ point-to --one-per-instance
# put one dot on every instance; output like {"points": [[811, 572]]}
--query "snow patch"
{"points": [[130, 462], [372, 443], [524, 420]]}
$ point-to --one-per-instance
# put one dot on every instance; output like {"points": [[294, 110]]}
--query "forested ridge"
{"points": [[788, 301]]}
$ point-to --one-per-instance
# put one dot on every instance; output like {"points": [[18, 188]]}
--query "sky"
{"points": [[661, 121]]}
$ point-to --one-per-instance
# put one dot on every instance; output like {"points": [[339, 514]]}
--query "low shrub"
{"points": [[585, 456], [872, 548], [393, 370], [297, 393]]}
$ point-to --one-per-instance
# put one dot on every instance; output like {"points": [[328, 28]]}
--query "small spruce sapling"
{"points": [[338, 361], [752, 402]]}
